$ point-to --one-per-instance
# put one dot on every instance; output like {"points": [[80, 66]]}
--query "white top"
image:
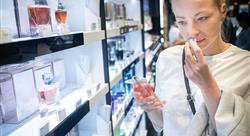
{"points": [[231, 70]]}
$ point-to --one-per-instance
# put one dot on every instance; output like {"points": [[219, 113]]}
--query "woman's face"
{"points": [[199, 19]]}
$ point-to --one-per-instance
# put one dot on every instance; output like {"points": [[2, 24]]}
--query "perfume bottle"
{"points": [[50, 91], [39, 18], [61, 17], [141, 86], [119, 50]]}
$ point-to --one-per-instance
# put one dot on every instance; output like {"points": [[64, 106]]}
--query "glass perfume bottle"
{"points": [[119, 50], [141, 86], [50, 91], [39, 18], [61, 17]]}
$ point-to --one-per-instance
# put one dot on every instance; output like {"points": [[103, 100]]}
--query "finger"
{"points": [[196, 50], [188, 54], [188, 71], [137, 95]]}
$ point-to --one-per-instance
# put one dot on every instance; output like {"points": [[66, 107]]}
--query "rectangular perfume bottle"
{"points": [[39, 20]]}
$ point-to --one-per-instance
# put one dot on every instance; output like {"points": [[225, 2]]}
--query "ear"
{"points": [[223, 10]]}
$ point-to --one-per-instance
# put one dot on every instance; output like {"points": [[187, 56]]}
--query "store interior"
{"points": [[66, 65]]}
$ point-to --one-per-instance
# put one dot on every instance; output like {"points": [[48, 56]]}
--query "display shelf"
{"points": [[149, 55], [113, 32], [130, 123], [18, 129], [116, 72], [124, 108], [138, 120], [117, 123], [115, 78], [129, 104], [85, 37], [93, 36], [149, 76], [97, 96], [148, 28], [150, 43], [122, 30], [39, 39], [72, 101]]}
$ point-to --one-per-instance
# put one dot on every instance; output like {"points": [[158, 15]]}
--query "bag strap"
{"points": [[189, 95]]}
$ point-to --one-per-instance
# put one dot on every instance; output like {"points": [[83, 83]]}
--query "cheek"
{"points": [[184, 33], [211, 29]]}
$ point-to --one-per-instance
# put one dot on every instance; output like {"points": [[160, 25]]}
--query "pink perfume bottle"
{"points": [[40, 19], [61, 18], [50, 91]]}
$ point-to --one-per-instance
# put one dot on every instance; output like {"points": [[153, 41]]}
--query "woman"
{"points": [[218, 73]]}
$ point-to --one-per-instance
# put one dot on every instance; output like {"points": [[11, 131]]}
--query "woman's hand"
{"points": [[147, 103], [197, 70], [196, 67]]}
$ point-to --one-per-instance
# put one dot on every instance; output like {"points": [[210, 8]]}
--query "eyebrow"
{"points": [[194, 15]]}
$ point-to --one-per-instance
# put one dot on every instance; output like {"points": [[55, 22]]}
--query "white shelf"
{"points": [[113, 32], [118, 122], [93, 100], [114, 79], [24, 39], [149, 55], [131, 124], [148, 28], [93, 36], [116, 75], [71, 100], [148, 76], [148, 44], [118, 31]]}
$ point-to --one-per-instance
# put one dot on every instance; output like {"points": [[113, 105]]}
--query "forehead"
{"points": [[183, 7]]}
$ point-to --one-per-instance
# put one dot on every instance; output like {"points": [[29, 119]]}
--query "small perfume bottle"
{"points": [[50, 91], [61, 17]]}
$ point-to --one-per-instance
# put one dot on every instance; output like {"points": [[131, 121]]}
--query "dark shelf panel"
{"points": [[26, 49], [68, 123]]}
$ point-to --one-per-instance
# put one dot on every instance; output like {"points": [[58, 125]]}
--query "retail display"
{"points": [[81, 71]]}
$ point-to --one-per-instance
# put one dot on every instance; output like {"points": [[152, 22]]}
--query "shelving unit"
{"points": [[79, 103]]}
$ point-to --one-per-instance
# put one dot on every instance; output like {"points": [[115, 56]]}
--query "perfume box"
{"points": [[47, 87], [59, 72], [41, 68], [18, 93]]}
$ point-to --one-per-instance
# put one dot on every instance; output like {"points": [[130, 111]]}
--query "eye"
{"points": [[202, 18], [181, 23]]}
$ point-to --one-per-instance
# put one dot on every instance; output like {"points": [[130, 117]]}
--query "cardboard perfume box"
{"points": [[18, 93]]}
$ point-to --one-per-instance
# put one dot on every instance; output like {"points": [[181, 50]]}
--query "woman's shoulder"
{"points": [[240, 52], [172, 52]]}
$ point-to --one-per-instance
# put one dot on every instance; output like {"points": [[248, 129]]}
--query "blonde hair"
{"points": [[220, 2]]}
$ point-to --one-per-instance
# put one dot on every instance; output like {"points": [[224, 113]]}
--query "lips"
{"points": [[200, 40]]}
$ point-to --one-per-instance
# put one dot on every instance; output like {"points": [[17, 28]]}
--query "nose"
{"points": [[193, 30]]}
